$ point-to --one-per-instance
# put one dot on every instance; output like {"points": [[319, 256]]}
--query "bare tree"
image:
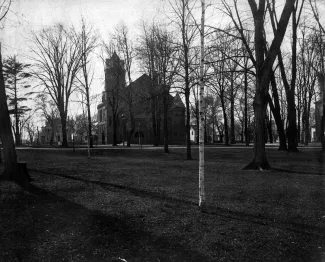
{"points": [[307, 75], [88, 43], [31, 130], [321, 72], [263, 65], [202, 109], [185, 24], [57, 60], [290, 86], [48, 110]]}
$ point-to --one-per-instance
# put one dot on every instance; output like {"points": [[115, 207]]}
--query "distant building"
{"points": [[143, 115], [47, 134]]}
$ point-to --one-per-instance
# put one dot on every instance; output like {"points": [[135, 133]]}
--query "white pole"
{"points": [[201, 113]]}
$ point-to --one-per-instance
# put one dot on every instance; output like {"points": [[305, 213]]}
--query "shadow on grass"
{"points": [[211, 210], [59, 229], [297, 172]]}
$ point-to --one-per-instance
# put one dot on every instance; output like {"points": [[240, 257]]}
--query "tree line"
{"points": [[260, 68]]}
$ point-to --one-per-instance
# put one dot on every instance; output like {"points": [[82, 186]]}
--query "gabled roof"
{"points": [[177, 102]]}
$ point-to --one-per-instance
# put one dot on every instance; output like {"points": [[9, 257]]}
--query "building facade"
{"points": [[147, 109]]}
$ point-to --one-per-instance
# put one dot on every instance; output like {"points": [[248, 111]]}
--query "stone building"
{"points": [[146, 118]]}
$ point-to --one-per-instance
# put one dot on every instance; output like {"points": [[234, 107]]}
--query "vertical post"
{"points": [[201, 113]]}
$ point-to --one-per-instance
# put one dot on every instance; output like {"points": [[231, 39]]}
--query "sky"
{"points": [[33, 15]]}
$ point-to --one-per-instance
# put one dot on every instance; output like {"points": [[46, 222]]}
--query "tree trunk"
{"points": [[197, 117], [17, 133], [322, 123], [260, 161], [114, 129], [52, 132], [269, 127], [154, 121], [232, 112], [165, 102], [188, 125], [64, 127], [276, 111], [202, 119], [89, 124], [306, 131], [292, 125], [299, 125], [158, 130], [246, 107], [225, 120]]}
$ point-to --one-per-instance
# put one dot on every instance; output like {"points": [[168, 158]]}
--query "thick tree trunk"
{"points": [[260, 161], [64, 128], [292, 125]]}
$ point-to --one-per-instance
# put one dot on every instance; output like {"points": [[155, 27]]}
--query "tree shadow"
{"points": [[209, 209], [296, 172], [64, 230]]}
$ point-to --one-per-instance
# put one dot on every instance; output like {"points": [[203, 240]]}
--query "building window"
{"points": [[192, 133], [175, 133]]}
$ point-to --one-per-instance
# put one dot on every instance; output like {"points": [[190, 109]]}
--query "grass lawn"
{"points": [[141, 205]]}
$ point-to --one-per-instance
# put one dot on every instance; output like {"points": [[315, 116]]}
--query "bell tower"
{"points": [[114, 74]]}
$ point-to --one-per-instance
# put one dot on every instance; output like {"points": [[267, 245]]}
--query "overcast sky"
{"points": [[104, 15]]}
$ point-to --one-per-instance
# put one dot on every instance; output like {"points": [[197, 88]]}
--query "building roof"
{"points": [[177, 102]]}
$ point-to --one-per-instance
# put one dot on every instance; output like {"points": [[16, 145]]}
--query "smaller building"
{"points": [[51, 133]]}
